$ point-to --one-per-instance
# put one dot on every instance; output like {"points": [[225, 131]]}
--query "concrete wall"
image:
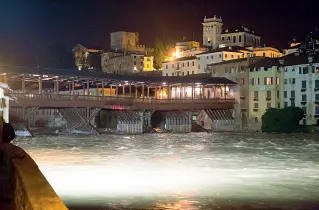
{"points": [[30, 189]]}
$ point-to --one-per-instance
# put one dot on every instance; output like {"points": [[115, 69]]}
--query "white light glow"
{"points": [[114, 168]]}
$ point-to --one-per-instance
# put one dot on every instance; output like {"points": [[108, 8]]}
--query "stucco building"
{"points": [[214, 36], [301, 85]]}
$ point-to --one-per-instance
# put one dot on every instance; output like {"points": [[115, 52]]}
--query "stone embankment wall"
{"points": [[28, 187]]}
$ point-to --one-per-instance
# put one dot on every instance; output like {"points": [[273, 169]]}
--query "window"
{"points": [[268, 81], [193, 63], [313, 69], [166, 66], [220, 55], [268, 105], [292, 94], [265, 69], [317, 97], [198, 66], [277, 80], [198, 58], [234, 39], [264, 54], [285, 81], [183, 64], [172, 74], [256, 119], [183, 73], [134, 63], [207, 57], [212, 57], [304, 109], [242, 81], [239, 38], [293, 69], [192, 72], [299, 70], [232, 56], [286, 104], [251, 70], [187, 64], [293, 103], [293, 81], [317, 69], [268, 94], [304, 97], [303, 84], [317, 110], [285, 94], [255, 94], [147, 65], [305, 70], [277, 93], [278, 105], [255, 105], [225, 55], [316, 83], [166, 74], [187, 72]]}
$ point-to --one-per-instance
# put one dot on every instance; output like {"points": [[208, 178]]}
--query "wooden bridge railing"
{"points": [[17, 96]]}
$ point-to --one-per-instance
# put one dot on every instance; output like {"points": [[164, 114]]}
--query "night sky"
{"points": [[43, 32]]}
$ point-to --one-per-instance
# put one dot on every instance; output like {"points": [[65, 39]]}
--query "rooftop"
{"points": [[33, 73], [239, 29], [224, 49], [181, 59]]}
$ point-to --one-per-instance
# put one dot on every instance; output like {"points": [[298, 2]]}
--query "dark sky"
{"points": [[36, 31]]}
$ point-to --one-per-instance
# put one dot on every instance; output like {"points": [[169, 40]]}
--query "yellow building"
{"points": [[148, 63], [265, 90], [269, 52]]}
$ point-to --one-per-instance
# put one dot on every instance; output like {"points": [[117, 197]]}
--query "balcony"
{"points": [[292, 98], [268, 98], [255, 109], [256, 99], [303, 89]]}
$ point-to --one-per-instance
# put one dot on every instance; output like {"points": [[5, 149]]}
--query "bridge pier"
{"points": [[130, 122], [78, 120], [178, 121]]}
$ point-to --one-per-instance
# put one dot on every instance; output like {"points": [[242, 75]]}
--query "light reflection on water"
{"points": [[171, 171]]}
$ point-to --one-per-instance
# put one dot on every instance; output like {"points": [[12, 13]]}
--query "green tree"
{"points": [[284, 120], [159, 49]]}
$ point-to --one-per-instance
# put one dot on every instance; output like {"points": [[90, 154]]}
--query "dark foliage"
{"points": [[282, 120]]}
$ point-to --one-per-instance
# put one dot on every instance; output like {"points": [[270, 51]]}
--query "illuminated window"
{"points": [[268, 81], [277, 80]]}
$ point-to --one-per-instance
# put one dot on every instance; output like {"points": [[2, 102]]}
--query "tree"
{"points": [[284, 120], [159, 49]]}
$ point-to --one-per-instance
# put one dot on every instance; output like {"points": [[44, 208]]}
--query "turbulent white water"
{"points": [[171, 171]]}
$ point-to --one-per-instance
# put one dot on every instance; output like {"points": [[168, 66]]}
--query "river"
{"points": [[181, 171]]}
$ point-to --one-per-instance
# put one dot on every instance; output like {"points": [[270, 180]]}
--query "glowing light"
{"points": [[164, 83], [171, 58], [174, 54], [134, 69], [177, 54]]}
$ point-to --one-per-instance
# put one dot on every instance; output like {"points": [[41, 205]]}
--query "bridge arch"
{"points": [[158, 119]]}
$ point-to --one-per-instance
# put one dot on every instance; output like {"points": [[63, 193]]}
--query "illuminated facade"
{"points": [[122, 62], [214, 36], [265, 90], [180, 67], [149, 63], [86, 58], [301, 86], [269, 52]]}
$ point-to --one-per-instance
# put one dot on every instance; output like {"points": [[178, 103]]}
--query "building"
{"points": [[269, 52], [87, 58], [214, 36], [122, 62], [237, 71], [180, 66], [128, 41], [187, 49], [265, 90], [218, 55], [301, 85], [148, 63]]}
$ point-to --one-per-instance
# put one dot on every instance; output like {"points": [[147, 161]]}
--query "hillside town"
{"points": [[266, 76]]}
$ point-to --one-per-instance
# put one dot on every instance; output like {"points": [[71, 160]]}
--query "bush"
{"points": [[282, 120]]}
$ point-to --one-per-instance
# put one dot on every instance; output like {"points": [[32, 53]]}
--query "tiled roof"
{"points": [[295, 59], [181, 59], [239, 29], [98, 76], [265, 62], [224, 49], [252, 59]]}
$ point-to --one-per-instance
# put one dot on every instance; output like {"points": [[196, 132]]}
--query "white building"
{"points": [[180, 67], [214, 36], [216, 56], [301, 86]]}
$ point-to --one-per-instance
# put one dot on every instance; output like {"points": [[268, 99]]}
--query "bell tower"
{"points": [[212, 30]]}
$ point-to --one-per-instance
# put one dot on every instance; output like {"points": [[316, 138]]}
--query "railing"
{"points": [[17, 96]]}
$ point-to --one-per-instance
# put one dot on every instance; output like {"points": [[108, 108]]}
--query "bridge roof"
{"points": [[68, 74]]}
